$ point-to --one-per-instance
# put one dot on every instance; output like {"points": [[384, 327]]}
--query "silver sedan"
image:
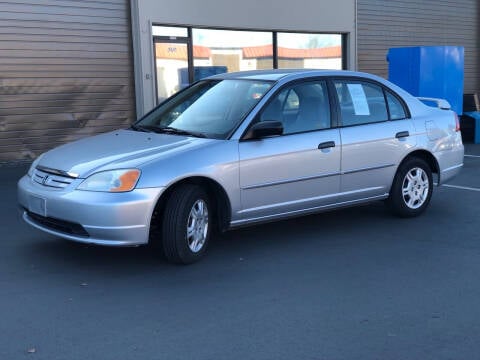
{"points": [[242, 148]]}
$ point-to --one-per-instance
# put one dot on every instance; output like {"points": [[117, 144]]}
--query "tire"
{"points": [[411, 188], [186, 225]]}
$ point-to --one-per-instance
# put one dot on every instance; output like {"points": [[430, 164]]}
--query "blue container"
{"points": [[429, 71], [199, 72]]}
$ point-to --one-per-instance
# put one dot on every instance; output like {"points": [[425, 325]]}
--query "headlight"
{"points": [[111, 181], [34, 165]]}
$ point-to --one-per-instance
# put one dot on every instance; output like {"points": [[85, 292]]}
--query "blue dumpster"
{"points": [[199, 72], [429, 71]]}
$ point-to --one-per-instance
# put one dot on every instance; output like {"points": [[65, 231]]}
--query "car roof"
{"points": [[277, 74], [283, 76]]}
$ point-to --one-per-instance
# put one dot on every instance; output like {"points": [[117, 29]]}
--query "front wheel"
{"points": [[411, 189], [186, 224]]}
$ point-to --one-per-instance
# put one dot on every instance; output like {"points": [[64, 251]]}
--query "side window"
{"points": [[300, 107], [292, 102], [361, 102], [397, 111]]}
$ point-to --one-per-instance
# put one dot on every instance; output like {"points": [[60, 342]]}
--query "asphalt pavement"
{"points": [[354, 284]]}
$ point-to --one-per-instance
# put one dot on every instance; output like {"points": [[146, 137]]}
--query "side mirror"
{"points": [[264, 129]]}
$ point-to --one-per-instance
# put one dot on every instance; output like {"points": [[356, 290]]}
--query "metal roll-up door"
{"points": [[66, 72]]}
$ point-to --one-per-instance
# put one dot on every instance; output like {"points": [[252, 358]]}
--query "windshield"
{"points": [[210, 108]]}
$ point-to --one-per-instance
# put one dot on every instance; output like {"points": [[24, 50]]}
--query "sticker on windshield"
{"points": [[360, 104]]}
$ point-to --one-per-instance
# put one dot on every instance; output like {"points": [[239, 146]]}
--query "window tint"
{"points": [[300, 107], [397, 111], [361, 102]]}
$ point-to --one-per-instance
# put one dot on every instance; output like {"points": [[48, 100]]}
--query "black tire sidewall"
{"points": [[177, 211], [396, 200]]}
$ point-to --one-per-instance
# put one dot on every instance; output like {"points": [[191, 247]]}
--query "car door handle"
{"points": [[402, 134], [326, 145]]}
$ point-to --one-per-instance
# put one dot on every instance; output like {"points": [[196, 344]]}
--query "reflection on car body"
{"points": [[241, 148]]}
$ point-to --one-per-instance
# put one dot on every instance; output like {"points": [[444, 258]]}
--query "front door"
{"points": [[299, 170]]}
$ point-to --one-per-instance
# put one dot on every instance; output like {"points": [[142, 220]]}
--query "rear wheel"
{"points": [[411, 189], [186, 224]]}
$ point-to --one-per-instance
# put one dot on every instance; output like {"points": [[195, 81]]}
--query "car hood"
{"points": [[117, 149]]}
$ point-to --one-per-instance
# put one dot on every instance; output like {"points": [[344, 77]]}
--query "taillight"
{"points": [[457, 122]]}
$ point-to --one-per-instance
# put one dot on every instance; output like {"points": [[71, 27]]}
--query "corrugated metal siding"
{"points": [[66, 71], [385, 24]]}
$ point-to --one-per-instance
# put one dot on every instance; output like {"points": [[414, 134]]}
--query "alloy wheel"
{"points": [[197, 226], [415, 188]]}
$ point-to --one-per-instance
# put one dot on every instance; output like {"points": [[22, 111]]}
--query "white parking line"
{"points": [[464, 187], [461, 187]]}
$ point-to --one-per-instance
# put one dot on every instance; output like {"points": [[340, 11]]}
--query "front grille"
{"points": [[50, 179], [66, 227]]}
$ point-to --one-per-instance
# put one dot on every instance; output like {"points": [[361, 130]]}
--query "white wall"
{"points": [[336, 16], [329, 63]]}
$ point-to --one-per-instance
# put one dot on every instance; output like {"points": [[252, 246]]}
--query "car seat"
{"points": [[312, 115]]}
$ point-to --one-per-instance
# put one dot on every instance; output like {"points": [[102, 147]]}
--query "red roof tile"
{"points": [[267, 51]]}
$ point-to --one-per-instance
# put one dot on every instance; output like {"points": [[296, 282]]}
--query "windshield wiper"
{"points": [[166, 129], [141, 128], [172, 130]]}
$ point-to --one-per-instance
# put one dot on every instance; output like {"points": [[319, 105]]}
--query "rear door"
{"points": [[376, 133]]}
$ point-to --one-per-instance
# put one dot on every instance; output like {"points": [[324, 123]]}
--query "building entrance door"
{"points": [[171, 66]]}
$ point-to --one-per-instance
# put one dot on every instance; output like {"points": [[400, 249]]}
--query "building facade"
{"points": [[386, 24], [70, 68]]}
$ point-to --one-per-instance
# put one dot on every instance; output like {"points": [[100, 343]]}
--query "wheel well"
{"points": [[428, 158], [216, 193]]}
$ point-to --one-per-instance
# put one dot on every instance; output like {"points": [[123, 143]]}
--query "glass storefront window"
{"points": [[313, 51], [219, 51]]}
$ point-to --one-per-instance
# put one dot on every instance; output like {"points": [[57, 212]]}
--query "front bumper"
{"points": [[116, 219]]}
